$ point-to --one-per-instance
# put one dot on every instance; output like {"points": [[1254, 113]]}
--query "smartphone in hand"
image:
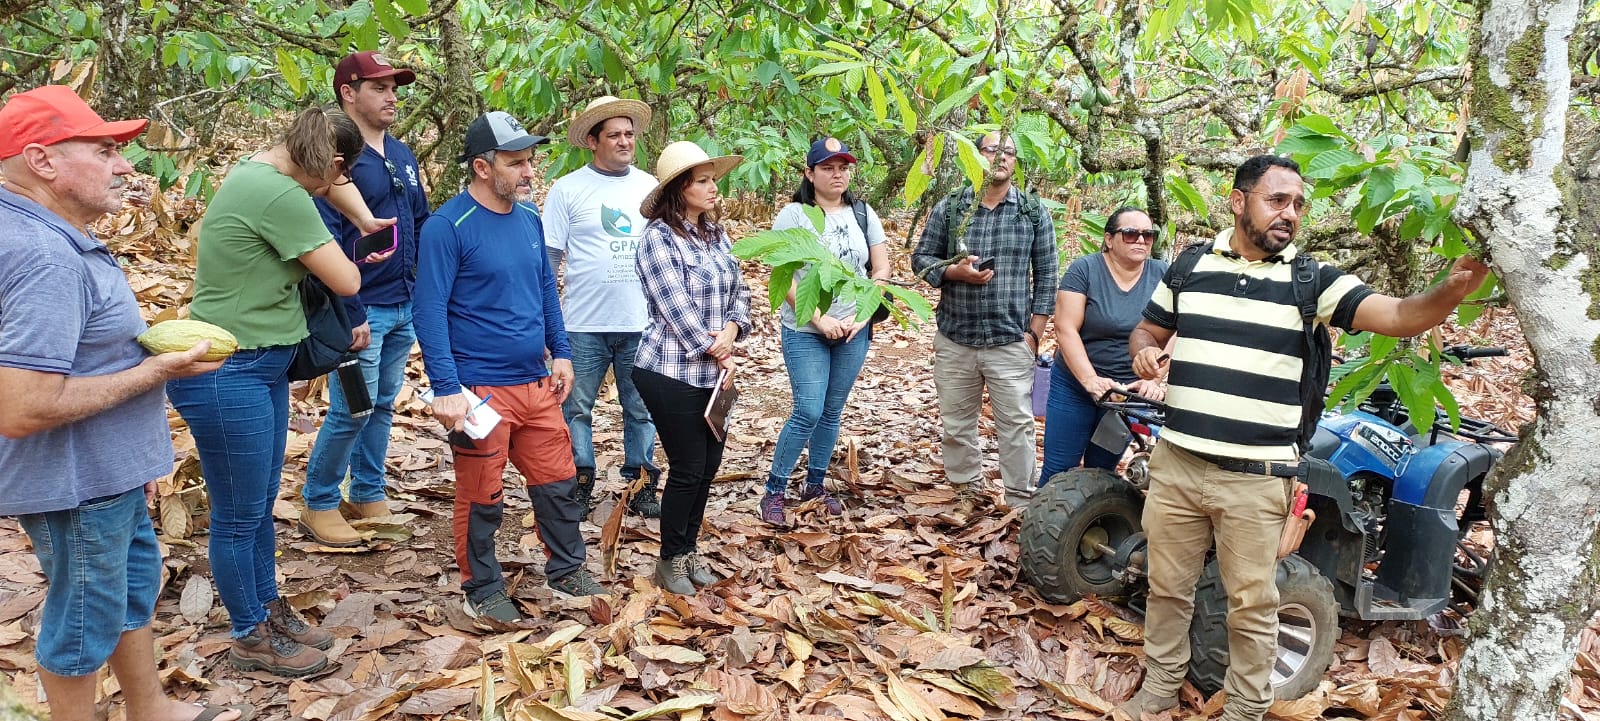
{"points": [[986, 264], [382, 241]]}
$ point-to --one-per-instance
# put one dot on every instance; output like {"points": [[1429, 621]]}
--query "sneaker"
{"points": [[699, 574], [285, 620], [584, 490], [835, 508], [672, 575], [496, 607], [265, 649], [772, 509], [645, 503], [577, 583]]}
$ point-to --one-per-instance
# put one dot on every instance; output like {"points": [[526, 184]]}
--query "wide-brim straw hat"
{"points": [[681, 157], [602, 109]]}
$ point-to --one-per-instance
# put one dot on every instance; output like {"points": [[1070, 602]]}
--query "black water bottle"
{"points": [[354, 386]]}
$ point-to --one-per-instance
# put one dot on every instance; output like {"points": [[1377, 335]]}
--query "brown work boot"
{"points": [[285, 620], [268, 650], [357, 511], [1145, 702], [329, 528]]}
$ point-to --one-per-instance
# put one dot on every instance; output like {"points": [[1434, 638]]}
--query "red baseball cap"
{"points": [[368, 65], [50, 114]]}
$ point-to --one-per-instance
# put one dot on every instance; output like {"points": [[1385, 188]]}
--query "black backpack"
{"points": [[1318, 358]]}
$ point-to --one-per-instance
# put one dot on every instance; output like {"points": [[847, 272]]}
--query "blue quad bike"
{"points": [[1392, 505]]}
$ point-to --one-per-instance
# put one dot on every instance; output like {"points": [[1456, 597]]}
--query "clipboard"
{"points": [[720, 406]]}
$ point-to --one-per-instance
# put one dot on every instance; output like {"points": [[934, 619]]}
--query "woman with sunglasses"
{"points": [[1100, 300], [262, 234]]}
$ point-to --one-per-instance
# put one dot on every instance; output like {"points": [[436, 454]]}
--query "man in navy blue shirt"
{"points": [[385, 174]]}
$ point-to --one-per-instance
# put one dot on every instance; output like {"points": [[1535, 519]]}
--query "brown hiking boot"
{"points": [[357, 511], [1145, 702], [285, 620], [268, 650], [329, 528]]}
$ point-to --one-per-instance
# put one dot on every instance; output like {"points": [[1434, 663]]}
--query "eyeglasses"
{"points": [[1280, 201], [394, 180], [992, 149], [1134, 235]]}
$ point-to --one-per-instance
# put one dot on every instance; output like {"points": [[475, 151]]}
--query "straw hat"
{"points": [[675, 160], [604, 108]]}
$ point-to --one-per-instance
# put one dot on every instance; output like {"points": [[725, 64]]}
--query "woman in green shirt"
{"points": [[261, 235]]}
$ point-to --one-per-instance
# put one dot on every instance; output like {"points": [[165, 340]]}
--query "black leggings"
{"points": [[693, 455]]}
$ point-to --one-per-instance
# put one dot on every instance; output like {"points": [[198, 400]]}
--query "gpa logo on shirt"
{"points": [[616, 223], [411, 174]]}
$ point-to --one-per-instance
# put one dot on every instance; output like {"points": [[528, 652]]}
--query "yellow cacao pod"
{"points": [[179, 335]]}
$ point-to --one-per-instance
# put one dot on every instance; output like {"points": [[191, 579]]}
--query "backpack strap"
{"points": [[1178, 274], [1319, 347], [955, 206], [859, 206]]}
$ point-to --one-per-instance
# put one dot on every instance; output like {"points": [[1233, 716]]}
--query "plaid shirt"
{"points": [[1024, 283], [692, 290]]}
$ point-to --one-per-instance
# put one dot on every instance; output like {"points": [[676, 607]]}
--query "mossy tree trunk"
{"points": [[1522, 201], [457, 108]]}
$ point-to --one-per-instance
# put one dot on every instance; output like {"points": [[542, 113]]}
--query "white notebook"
{"points": [[480, 420]]}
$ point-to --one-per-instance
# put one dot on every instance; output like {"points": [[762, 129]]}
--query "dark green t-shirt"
{"points": [[247, 275]]}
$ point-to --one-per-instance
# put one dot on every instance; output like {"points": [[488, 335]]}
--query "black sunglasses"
{"points": [[1134, 235], [394, 181]]}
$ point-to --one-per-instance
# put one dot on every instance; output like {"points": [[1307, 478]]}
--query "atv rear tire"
{"points": [[1064, 522], [1308, 626]]}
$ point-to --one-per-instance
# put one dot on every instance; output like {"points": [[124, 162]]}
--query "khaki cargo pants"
{"points": [[1190, 502]]}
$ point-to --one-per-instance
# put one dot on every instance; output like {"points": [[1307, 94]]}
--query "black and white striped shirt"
{"points": [[1234, 388]]}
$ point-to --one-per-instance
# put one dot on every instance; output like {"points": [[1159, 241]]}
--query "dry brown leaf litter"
{"points": [[906, 609]]}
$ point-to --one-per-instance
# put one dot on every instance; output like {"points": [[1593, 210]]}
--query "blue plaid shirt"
{"points": [[692, 289]]}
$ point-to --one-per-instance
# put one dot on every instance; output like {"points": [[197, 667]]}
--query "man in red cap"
{"points": [[386, 179], [83, 419]]}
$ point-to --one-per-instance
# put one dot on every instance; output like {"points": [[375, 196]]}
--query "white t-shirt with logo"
{"points": [[842, 235], [594, 218]]}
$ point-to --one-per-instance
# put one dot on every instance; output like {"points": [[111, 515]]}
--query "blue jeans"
{"points": [[592, 354], [103, 568], [358, 446], [1069, 421], [821, 373], [239, 416]]}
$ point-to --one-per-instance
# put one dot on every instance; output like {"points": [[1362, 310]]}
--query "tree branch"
{"points": [[1356, 91]]}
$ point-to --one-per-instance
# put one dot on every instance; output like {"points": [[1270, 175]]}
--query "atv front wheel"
{"points": [[1308, 626], [1067, 528]]}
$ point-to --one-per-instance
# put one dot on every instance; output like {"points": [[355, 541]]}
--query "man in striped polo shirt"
{"points": [[1225, 467]]}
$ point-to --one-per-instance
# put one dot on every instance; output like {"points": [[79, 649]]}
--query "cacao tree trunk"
{"points": [[128, 84], [459, 105], [1523, 201]]}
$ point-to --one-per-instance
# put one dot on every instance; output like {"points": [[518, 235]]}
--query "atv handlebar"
{"points": [[1466, 353]]}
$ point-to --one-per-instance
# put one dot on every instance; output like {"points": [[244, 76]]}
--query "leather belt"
{"points": [[1241, 465]]}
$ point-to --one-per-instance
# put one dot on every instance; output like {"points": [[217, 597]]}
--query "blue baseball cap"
{"points": [[826, 149]]}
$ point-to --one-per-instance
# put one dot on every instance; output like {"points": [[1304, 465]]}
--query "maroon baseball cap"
{"points": [[53, 113], [368, 65]]}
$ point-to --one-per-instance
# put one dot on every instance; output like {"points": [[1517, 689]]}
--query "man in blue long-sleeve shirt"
{"points": [[487, 313]]}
